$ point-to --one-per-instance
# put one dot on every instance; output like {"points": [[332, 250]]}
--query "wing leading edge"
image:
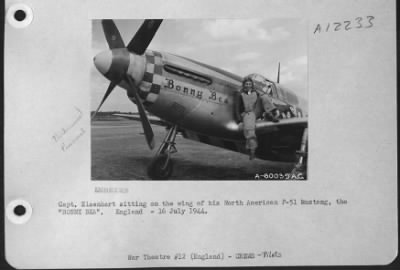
{"points": [[263, 127]]}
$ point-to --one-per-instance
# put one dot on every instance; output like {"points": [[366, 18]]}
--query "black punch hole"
{"points": [[19, 210], [20, 15]]}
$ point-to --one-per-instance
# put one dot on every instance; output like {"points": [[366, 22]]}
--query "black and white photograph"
{"points": [[212, 99]]}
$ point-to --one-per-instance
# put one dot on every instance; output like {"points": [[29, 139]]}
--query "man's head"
{"points": [[248, 84]]}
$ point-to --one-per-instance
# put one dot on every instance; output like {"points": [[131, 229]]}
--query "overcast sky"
{"points": [[239, 46]]}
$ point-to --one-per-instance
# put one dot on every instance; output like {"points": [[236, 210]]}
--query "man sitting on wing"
{"points": [[269, 107]]}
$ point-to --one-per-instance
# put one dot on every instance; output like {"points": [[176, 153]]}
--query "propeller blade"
{"points": [[148, 131], [112, 34], [143, 36], [108, 92]]}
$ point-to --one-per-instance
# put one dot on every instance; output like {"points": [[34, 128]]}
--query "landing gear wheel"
{"points": [[160, 168]]}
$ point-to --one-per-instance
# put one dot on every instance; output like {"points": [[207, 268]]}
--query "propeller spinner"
{"points": [[114, 64]]}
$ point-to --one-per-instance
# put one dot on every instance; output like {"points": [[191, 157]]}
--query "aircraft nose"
{"points": [[102, 61]]}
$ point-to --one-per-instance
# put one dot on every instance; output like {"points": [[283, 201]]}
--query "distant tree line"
{"points": [[110, 113]]}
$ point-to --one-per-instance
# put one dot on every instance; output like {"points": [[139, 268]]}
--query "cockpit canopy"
{"points": [[259, 78], [273, 89]]}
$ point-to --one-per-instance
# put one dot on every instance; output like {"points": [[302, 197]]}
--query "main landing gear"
{"points": [[301, 165], [161, 166]]}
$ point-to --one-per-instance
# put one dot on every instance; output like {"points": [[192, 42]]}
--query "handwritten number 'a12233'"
{"points": [[357, 23]]}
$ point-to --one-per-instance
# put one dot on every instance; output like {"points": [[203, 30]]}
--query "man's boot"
{"points": [[271, 117]]}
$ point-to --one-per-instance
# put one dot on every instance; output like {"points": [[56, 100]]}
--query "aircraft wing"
{"points": [[263, 126], [152, 119]]}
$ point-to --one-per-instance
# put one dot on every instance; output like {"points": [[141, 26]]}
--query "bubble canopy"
{"points": [[258, 78]]}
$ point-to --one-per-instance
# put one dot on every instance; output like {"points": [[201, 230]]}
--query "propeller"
{"points": [[118, 65], [114, 41], [112, 34], [148, 131], [143, 36], [108, 92]]}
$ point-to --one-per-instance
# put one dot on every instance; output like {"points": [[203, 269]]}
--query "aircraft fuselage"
{"points": [[197, 97], [200, 100]]}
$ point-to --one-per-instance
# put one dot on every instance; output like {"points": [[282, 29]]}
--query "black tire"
{"points": [[155, 171]]}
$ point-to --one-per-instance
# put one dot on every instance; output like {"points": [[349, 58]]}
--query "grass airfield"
{"points": [[120, 152]]}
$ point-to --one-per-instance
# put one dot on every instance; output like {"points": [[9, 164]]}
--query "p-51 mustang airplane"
{"points": [[198, 100]]}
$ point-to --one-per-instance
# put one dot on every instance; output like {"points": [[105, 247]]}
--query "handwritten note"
{"points": [[356, 23], [68, 135]]}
